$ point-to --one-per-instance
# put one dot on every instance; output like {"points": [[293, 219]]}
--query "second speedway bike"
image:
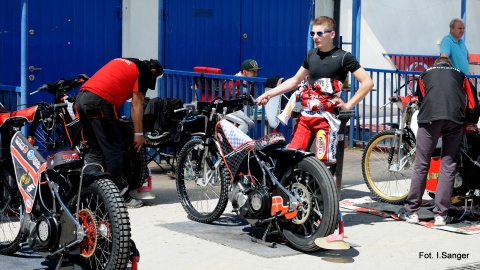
{"points": [[59, 206], [388, 160], [290, 192]]}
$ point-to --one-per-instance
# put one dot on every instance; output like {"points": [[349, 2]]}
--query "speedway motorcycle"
{"points": [[58, 207], [290, 192], [394, 151]]}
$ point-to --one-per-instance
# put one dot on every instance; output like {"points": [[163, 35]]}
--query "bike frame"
{"points": [[407, 105]]}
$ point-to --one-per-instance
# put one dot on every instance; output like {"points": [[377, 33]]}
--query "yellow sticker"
{"points": [[321, 144]]}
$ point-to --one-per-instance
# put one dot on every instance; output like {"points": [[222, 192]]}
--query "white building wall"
{"points": [[408, 26], [387, 26], [140, 31]]}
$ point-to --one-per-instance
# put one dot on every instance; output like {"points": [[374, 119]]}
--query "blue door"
{"points": [[275, 33], [65, 38], [218, 33]]}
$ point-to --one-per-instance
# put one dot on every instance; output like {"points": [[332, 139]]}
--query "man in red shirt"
{"points": [[98, 102]]}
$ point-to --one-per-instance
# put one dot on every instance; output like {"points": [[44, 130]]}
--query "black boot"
{"points": [[332, 168]]}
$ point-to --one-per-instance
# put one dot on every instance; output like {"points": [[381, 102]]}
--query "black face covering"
{"points": [[153, 82], [154, 65]]}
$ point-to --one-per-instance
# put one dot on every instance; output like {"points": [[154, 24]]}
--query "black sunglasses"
{"points": [[320, 33]]}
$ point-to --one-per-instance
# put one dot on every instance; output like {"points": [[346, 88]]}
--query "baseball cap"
{"points": [[250, 64]]}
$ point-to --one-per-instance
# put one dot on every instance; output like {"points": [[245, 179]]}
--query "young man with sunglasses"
{"points": [[323, 72]]}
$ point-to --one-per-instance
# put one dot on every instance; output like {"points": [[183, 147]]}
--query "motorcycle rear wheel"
{"points": [[135, 167], [11, 212], [321, 200], [387, 185], [109, 246], [204, 201]]}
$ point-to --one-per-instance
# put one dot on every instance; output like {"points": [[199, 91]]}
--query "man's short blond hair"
{"points": [[324, 20]]}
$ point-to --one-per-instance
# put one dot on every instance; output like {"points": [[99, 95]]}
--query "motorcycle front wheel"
{"points": [[202, 190], [12, 211], [312, 183], [389, 181], [104, 217]]}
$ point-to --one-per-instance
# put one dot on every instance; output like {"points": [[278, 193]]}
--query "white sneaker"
{"points": [[442, 221], [410, 218]]}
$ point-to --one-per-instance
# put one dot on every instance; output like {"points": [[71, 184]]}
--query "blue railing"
{"points": [[411, 62], [194, 86], [10, 97], [372, 115]]}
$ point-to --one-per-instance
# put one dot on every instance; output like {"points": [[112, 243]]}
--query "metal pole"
{"points": [[161, 40], [356, 18], [336, 17], [312, 17], [24, 54], [463, 14]]}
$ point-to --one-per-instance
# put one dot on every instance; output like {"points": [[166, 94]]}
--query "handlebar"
{"points": [[60, 106], [62, 85], [187, 107], [407, 98], [219, 103], [51, 106]]}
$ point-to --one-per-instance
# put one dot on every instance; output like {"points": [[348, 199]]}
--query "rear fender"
{"points": [[289, 157], [89, 176], [393, 125]]}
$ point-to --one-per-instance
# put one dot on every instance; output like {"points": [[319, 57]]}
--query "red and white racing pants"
{"points": [[310, 127]]}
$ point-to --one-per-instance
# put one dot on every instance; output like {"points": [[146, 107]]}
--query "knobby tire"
{"points": [[323, 217], [102, 198], [203, 203]]}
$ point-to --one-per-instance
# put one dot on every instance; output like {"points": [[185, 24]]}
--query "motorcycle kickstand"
{"points": [[467, 212], [60, 262], [264, 237]]}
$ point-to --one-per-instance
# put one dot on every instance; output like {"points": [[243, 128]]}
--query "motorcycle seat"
{"points": [[277, 139]]}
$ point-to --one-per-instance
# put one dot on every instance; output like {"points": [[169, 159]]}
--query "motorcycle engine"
{"points": [[250, 201], [45, 233]]}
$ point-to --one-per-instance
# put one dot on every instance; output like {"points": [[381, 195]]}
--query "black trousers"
{"points": [[101, 130]]}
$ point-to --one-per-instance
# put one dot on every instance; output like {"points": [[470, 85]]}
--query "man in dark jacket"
{"points": [[447, 98]]}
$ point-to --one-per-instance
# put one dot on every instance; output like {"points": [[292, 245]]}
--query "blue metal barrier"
{"points": [[372, 118], [189, 86], [411, 62], [10, 97]]}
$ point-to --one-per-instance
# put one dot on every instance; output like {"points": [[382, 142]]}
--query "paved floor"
{"points": [[376, 242], [168, 240]]}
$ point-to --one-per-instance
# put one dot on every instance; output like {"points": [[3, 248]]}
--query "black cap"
{"points": [[155, 65]]}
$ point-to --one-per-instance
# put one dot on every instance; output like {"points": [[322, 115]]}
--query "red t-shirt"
{"points": [[119, 79]]}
